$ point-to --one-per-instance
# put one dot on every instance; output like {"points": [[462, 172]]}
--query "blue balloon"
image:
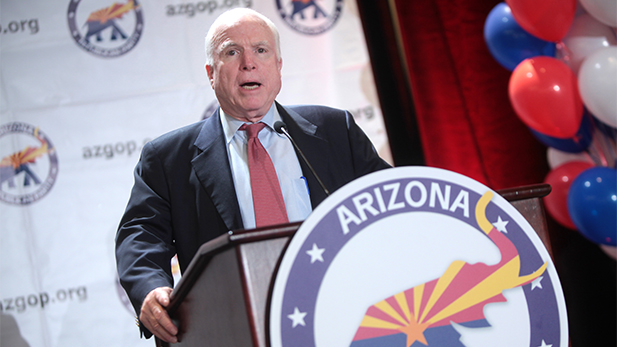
{"points": [[578, 143], [508, 42], [592, 204]]}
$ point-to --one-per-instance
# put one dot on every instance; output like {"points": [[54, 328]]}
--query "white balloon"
{"points": [[586, 35], [603, 10], [597, 84], [556, 157]]}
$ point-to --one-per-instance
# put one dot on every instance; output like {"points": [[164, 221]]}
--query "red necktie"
{"points": [[268, 200]]}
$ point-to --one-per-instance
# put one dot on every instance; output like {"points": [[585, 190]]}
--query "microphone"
{"points": [[281, 128]]}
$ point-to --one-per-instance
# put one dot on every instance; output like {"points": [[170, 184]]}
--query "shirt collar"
{"points": [[231, 125]]}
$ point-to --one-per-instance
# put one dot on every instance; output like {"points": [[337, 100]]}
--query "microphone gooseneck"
{"points": [[281, 128]]}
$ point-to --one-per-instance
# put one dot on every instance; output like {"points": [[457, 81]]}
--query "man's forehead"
{"points": [[229, 37]]}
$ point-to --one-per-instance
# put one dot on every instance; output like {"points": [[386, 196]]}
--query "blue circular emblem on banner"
{"points": [[416, 256], [310, 17], [106, 29], [28, 165]]}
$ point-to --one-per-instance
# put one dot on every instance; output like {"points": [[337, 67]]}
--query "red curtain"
{"points": [[465, 119]]}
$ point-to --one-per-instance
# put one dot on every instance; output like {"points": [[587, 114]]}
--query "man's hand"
{"points": [[154, 317]]}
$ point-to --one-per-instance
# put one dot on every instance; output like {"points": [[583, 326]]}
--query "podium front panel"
{"points": [[213, 313]]}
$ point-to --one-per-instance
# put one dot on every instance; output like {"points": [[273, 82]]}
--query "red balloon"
{"points": [[544, 94], [560, 180], [549, 20]]}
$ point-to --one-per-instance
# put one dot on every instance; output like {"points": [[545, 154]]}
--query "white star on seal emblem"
{"points": [[316, 253], [501, 225], [297, 318]]}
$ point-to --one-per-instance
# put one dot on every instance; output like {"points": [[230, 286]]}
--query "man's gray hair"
{"points": [[229, 17]]}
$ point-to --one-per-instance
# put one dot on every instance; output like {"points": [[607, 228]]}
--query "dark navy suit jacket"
{"points": [[184, 194]]}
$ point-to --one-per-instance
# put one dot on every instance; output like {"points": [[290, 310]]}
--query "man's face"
{"points": [[246, 73]]}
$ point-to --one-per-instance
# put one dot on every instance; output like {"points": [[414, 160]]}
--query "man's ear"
{"points": [[210, 73]]}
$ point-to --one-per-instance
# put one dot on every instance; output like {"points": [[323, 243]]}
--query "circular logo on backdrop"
{"points": [[310, 16], [28, 164], [416, 256], [105, 28]]}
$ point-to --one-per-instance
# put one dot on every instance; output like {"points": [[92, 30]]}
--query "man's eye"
{"points": [[261, 50], [231, 53]]}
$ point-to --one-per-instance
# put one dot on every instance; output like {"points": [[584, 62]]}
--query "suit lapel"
{"points": [[212, 168], [314, 147]]}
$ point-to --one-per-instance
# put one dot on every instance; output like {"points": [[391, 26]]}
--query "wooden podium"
{"points": [[223, 296]]}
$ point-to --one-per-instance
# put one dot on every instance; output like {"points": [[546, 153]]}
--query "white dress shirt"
{"points": [[293, 184]]}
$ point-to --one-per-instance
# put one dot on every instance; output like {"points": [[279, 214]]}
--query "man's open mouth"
{"points": [[251, 85]]}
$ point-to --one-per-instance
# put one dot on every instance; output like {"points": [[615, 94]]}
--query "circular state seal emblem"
{"points": [[105, 28], [416, 257], [28, 164], [310, 17]]}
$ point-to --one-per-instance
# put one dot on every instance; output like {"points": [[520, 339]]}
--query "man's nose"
{"points": [[247, 62]]}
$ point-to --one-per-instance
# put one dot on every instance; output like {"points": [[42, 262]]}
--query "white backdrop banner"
{"points": [[84, 84]]}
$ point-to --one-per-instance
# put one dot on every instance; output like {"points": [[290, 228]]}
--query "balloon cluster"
{"points": [[563, 86]]}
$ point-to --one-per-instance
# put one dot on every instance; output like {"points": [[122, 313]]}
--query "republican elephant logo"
{"points": [[310, 17], [28, 173], [299, 6], [105, 18], [108, 31]]}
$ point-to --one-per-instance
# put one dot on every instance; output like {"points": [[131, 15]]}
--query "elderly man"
{"points": [[198, 182]]}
